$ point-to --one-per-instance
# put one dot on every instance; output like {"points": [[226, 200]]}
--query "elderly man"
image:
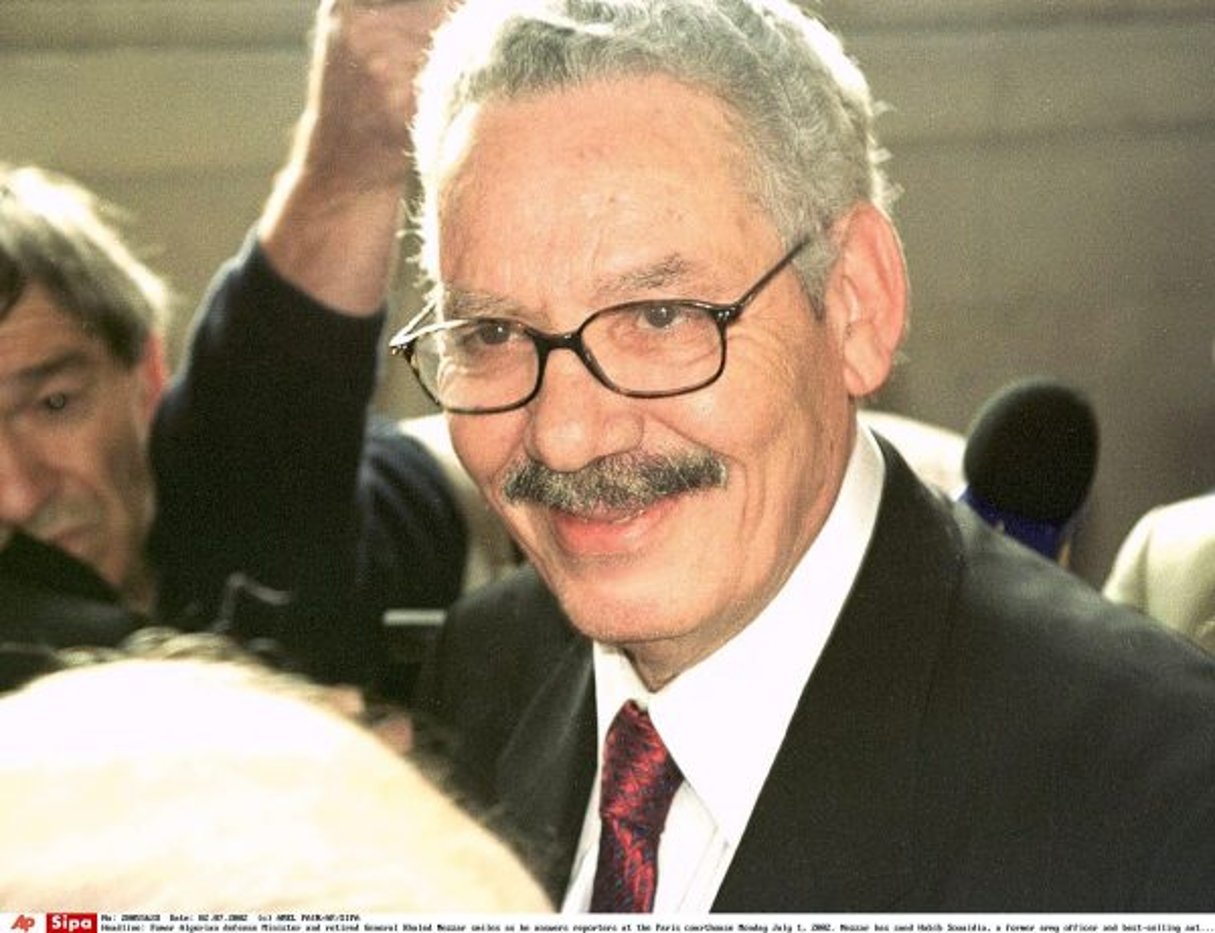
{"points": [[242, 498], [754, 665]]}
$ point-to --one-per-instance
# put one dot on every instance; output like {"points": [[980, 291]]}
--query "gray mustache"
{"points": [[629, 481]]}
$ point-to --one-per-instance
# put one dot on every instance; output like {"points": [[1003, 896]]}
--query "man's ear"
{"points": [[154, 373], [866, 298]]}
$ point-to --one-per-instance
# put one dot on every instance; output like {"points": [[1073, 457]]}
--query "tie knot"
{"points": [[639, 776]]}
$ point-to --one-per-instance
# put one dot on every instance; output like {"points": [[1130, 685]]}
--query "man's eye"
{"points": [[55, 402], [492, 333], [661, 316], [481, 337]]}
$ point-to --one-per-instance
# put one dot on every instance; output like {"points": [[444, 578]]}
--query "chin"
{"points": [[616, 614], [77, 546]]}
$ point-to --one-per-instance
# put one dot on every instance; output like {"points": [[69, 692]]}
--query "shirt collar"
{"points": [[725, 739]]}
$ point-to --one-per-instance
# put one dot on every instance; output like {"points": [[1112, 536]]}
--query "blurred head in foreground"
{"points": [[209, 786]]}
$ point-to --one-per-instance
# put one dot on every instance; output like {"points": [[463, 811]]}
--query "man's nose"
{"points": [[575, 419], [25, 481]]}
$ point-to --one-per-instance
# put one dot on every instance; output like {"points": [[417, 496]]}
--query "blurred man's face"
{"points": [[568, 202], [74, 422]]}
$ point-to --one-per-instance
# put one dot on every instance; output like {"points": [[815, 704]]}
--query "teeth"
{"points": [[627, 517], [609, 516]]}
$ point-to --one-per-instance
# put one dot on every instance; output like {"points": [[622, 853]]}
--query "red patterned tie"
{"points": [[639, 782]]}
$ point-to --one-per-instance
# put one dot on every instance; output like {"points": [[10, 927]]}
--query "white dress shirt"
{"points": [[724, 718]]}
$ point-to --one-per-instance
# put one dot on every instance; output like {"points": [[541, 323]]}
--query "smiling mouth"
{"points": [[611, 532]]}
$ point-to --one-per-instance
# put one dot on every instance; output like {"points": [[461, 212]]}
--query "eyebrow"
{"points": [[455, 302], [31, 377]]}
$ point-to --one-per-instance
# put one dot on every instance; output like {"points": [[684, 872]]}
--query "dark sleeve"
{"points": [[267, 465]]}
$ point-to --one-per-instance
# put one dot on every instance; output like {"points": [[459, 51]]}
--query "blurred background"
{"points": [[1057, 159]]}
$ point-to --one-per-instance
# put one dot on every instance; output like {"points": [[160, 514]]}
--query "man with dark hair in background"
{"points": [[258, 497], [82, 368]]}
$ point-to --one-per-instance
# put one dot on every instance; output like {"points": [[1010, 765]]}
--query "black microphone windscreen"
{"points": [[1032, 450]]}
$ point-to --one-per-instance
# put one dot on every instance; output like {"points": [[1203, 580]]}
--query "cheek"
{"points": [[122, 462], [763, 395], [487, 444], [117, 440], [779, 417]]}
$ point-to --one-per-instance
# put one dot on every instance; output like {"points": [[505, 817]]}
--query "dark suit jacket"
{"points": [[981, 733]]}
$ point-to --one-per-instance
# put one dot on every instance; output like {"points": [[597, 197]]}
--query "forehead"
{"points": [[618, 178], [36, 331]]}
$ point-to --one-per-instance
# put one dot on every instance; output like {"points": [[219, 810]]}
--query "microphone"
{"points": [[1030, 457]]}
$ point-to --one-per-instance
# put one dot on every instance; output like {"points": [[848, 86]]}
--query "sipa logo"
{"points": [[23, 923], [71, 923]]}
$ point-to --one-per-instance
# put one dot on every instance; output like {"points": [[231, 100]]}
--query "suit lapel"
{"points": [[832, 827], [545, 773]]}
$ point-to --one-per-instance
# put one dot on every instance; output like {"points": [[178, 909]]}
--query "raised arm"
{"points": [[267, 467]]}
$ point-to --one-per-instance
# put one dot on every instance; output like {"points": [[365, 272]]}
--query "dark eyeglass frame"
{"points": [[404, 342]]}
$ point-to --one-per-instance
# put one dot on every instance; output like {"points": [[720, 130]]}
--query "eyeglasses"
{"points": [[654, 348]]}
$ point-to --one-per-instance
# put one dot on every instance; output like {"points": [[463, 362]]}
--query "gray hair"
{"points": [[803, 107], [56, 234], [185, 784]]}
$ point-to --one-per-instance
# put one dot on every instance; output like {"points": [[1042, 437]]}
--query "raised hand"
{"points": [[330, 225]]}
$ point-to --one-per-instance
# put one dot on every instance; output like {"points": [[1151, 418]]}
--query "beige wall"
{"points": [[1059, 206]]}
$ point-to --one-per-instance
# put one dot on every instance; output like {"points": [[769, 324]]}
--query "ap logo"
{"points": [[23, 923]]}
